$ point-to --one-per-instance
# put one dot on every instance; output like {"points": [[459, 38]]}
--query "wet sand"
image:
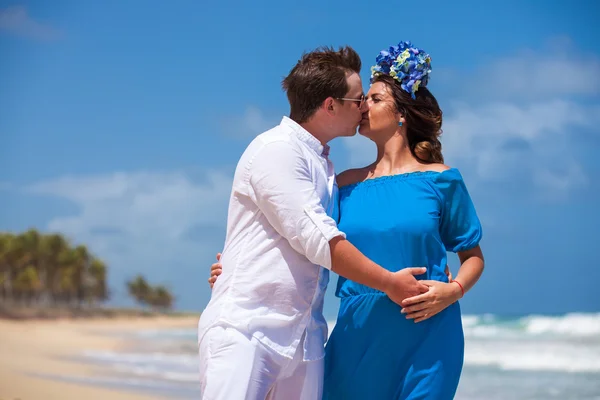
{"points": [[32, 350]]}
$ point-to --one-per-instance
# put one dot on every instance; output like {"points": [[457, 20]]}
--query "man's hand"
{"points": [[403, 284], [215, 271]]}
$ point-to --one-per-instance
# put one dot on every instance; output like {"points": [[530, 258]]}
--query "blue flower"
{"points": [[382, 57], [407, 64]]}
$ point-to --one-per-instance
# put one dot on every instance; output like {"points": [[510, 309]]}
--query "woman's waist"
{"points": [[376, 313]]}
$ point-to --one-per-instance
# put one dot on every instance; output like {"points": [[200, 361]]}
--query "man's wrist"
{"points": [[386, 279]]}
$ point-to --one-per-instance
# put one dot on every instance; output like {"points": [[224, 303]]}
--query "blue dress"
{"points": [[400, 221]]}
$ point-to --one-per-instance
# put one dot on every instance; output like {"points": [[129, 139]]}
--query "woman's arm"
{"points": [[471, 268]]}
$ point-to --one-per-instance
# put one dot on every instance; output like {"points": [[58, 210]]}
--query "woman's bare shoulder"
{"points": [[350, 176], [436, 167]]}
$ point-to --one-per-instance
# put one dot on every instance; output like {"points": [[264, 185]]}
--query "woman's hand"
{"points": [[426, 305], [215, 271]]}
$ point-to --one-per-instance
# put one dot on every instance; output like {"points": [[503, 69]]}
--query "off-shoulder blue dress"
{"points": [[400, 221]]}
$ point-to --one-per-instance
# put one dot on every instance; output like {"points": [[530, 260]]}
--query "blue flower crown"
{"points": [[407, 64]]}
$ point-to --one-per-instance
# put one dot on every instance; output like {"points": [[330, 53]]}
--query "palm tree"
{"points": [[5, 272], [42, 268], [14, 256], [139, 289], [161, 298], [27, 284], [98, 290], [67, 283], [81, 278], [51, 247], [27, 281]]}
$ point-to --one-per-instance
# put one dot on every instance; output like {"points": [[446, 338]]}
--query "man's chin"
{"points": [[346, 134]]}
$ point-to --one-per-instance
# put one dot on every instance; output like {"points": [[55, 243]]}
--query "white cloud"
{"points": [[150, 222], [558, 69], [570, 175], [499, 140], [249, 124], [17, 21]]}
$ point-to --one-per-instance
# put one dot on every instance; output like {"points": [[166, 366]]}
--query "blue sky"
{"points": [[121, 124]]}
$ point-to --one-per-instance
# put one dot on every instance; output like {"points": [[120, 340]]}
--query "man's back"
{"points": [[278, 229]]}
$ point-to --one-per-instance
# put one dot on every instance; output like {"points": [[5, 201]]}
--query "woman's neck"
{"points": [[394, 157]]}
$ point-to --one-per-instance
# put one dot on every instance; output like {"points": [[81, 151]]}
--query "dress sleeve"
{"points": [[460, 228]]}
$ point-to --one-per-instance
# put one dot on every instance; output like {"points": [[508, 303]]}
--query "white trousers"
{"points": [[236, 367]]}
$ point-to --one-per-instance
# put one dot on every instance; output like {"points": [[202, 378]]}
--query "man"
{"points": [[262, 334]]}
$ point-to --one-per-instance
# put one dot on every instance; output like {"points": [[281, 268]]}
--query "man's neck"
{"points": [[317, 130]]}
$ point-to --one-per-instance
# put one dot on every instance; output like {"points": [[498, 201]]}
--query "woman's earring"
{"points": [[400, 123]]}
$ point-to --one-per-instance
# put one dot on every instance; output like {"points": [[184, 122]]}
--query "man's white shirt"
{"points": [[276, 259]]}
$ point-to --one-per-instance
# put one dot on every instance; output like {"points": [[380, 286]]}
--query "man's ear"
{"points": [[329, 106]]}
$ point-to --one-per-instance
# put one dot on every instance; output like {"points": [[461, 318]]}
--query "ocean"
{"points": [[530, 357]]}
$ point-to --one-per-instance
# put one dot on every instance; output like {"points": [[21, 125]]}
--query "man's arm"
{"points": [[350, 263], [282, 187]]}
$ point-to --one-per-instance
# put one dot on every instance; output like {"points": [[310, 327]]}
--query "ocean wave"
{"points": [[534, 356], [167, 333], [144, 359], [569, 326], [154, 365]]}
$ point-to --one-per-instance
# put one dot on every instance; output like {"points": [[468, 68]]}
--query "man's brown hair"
{"points": [[318, 75]]}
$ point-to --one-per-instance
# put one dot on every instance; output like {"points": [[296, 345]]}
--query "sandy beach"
{"points": [[31, 349]]}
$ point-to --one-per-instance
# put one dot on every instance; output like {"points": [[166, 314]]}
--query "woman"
{"points": [[405, 209]]}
